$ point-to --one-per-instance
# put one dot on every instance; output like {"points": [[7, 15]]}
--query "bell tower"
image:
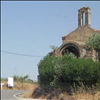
{"points": [[84, 16]]}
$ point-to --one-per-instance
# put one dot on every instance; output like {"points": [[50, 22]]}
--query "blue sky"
{"points": [[30, 27]]}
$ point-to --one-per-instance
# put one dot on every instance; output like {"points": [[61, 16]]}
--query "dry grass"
{"points": [[34, 92], [56, 95], [97, 96], [19, 86], [80, 94]]}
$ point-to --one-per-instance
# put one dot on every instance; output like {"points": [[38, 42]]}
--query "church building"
{"points": [[75, 41]]}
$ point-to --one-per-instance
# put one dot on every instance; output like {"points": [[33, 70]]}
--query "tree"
{"points": [[20, 78], [53, 47], [93, 43]]}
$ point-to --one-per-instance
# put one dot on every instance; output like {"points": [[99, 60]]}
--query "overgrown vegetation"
{"points": [[59, 72], [59, 75], [93, 42]]}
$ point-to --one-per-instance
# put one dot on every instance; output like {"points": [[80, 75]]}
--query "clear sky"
{"points": [[30, 27]]}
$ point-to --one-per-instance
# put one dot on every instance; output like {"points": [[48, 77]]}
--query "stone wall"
{"points": [[80, 34]]}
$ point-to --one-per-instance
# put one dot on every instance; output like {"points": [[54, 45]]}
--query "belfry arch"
{"points": [[86, 12], [71, 48]]}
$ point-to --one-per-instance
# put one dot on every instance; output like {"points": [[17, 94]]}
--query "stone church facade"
{"points": [[75, 41]]}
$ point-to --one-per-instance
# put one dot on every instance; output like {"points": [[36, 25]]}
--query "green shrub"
{"points": [[46, 69], [59, 71]]}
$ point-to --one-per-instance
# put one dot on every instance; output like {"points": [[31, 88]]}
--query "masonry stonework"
{"points": [[75, 41]]}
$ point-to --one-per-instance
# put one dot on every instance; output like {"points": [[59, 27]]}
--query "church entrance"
{"points": [[71, 48]]}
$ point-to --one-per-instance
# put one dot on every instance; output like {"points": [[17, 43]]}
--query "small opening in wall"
{"points": [[83, 18]]}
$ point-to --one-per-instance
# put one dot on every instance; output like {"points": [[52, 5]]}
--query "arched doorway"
{"points": [[70, 48]]}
